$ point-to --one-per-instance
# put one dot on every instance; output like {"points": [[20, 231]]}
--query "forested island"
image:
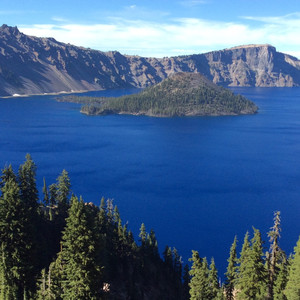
{"points": [[182, 94], [60, 247]]}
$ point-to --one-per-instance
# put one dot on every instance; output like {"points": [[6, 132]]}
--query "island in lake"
{"points": [[182, 94]]}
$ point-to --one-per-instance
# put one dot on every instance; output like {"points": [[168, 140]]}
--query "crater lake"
{"points": [[197, 181]]}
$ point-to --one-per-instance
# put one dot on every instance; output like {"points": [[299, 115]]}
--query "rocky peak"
{"points": [[32, 65], [252, 46], [8, 30]]}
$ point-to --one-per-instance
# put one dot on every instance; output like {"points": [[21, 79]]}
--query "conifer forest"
{"points": [[59, 247]]}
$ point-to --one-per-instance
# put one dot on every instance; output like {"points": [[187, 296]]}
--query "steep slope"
{"points": [[31, 65], [181, 94]]}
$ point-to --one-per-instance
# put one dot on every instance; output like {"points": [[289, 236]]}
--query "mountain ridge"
{"points": [[33, 65]]}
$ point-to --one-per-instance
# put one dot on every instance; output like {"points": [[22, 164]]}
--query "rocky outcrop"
{"points": [[31, 65]]}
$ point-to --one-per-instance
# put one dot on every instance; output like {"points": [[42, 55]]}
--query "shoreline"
{"points": [[48, 94]]}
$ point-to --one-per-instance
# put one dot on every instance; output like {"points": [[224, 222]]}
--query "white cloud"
{"points": [[60, 20], [191, 3], [176, 37]]}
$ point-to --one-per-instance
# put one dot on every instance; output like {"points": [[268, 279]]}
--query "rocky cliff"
{"points": [[31, 65]]}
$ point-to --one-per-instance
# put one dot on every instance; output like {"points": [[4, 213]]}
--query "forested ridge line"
{"points": [[60, 247]]}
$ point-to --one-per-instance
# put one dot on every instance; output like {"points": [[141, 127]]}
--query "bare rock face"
{"points": [[31, 65], [253, 65]]}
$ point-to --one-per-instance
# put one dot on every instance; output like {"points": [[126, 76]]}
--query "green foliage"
{"points": [[182, 94], [16, 243], [90, 254], [80, 268], [276, 261], [292, 290], [252, 275], [28, 189], [281, 278], [213, 280], [199, 284], [231, 273]]}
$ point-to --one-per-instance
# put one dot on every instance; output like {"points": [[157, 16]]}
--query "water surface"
{"points": [[196, 181]]}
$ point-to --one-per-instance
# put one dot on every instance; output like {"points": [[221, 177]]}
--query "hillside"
{"points": [[182, 94], [77, 250], [32, 65]]}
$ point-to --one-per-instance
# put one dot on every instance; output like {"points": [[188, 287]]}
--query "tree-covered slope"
{"points": [[61, 248], [182, 94]]}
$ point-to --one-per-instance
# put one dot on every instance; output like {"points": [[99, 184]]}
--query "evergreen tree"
{"points": [[213, 280], [16, 244], [152, 245], [63, 186], [251, 281], [50, 283], [281, 278], [52, 194], [275, 252], [186, 281], [80, 270], [199, 286], [195, 273], [221, 294], [177, 264], [143, 235], [168, 257], [7, 173], [27, 181], [292, 290], [231, 273], [46, 193]]}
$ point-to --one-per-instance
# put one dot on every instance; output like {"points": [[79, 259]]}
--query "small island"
{"points": [[182, 94]]}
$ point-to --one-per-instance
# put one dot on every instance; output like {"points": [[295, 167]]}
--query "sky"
{"points": [[159, 28]]}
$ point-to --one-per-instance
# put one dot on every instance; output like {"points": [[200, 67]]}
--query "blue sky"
{"points": [[159, 28]]}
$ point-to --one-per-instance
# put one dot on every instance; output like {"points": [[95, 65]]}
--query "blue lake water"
{"points": [[196, 181]]}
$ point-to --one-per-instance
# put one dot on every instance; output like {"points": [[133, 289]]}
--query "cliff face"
{"points": [[31, 65]]}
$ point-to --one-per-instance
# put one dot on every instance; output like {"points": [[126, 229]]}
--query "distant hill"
{"points": [[182, 94], [32, 65]]}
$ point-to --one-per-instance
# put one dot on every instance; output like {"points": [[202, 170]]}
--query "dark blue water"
{"points": [[196, 181]]}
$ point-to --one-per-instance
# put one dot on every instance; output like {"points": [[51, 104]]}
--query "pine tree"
{"points": [[143, 236], [15, 244], [50, 283], [260, 273], [213, 280], [27, 181], [29, 196], [46, 193], [81, 272], [251, 280], [52, 194], [274, 253], [63, 186], [281, 278], [199, 286], [186, 281], [292, 290], [168, 257], [231, 273], [195, 283], [177, 264], [7, 173]]}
